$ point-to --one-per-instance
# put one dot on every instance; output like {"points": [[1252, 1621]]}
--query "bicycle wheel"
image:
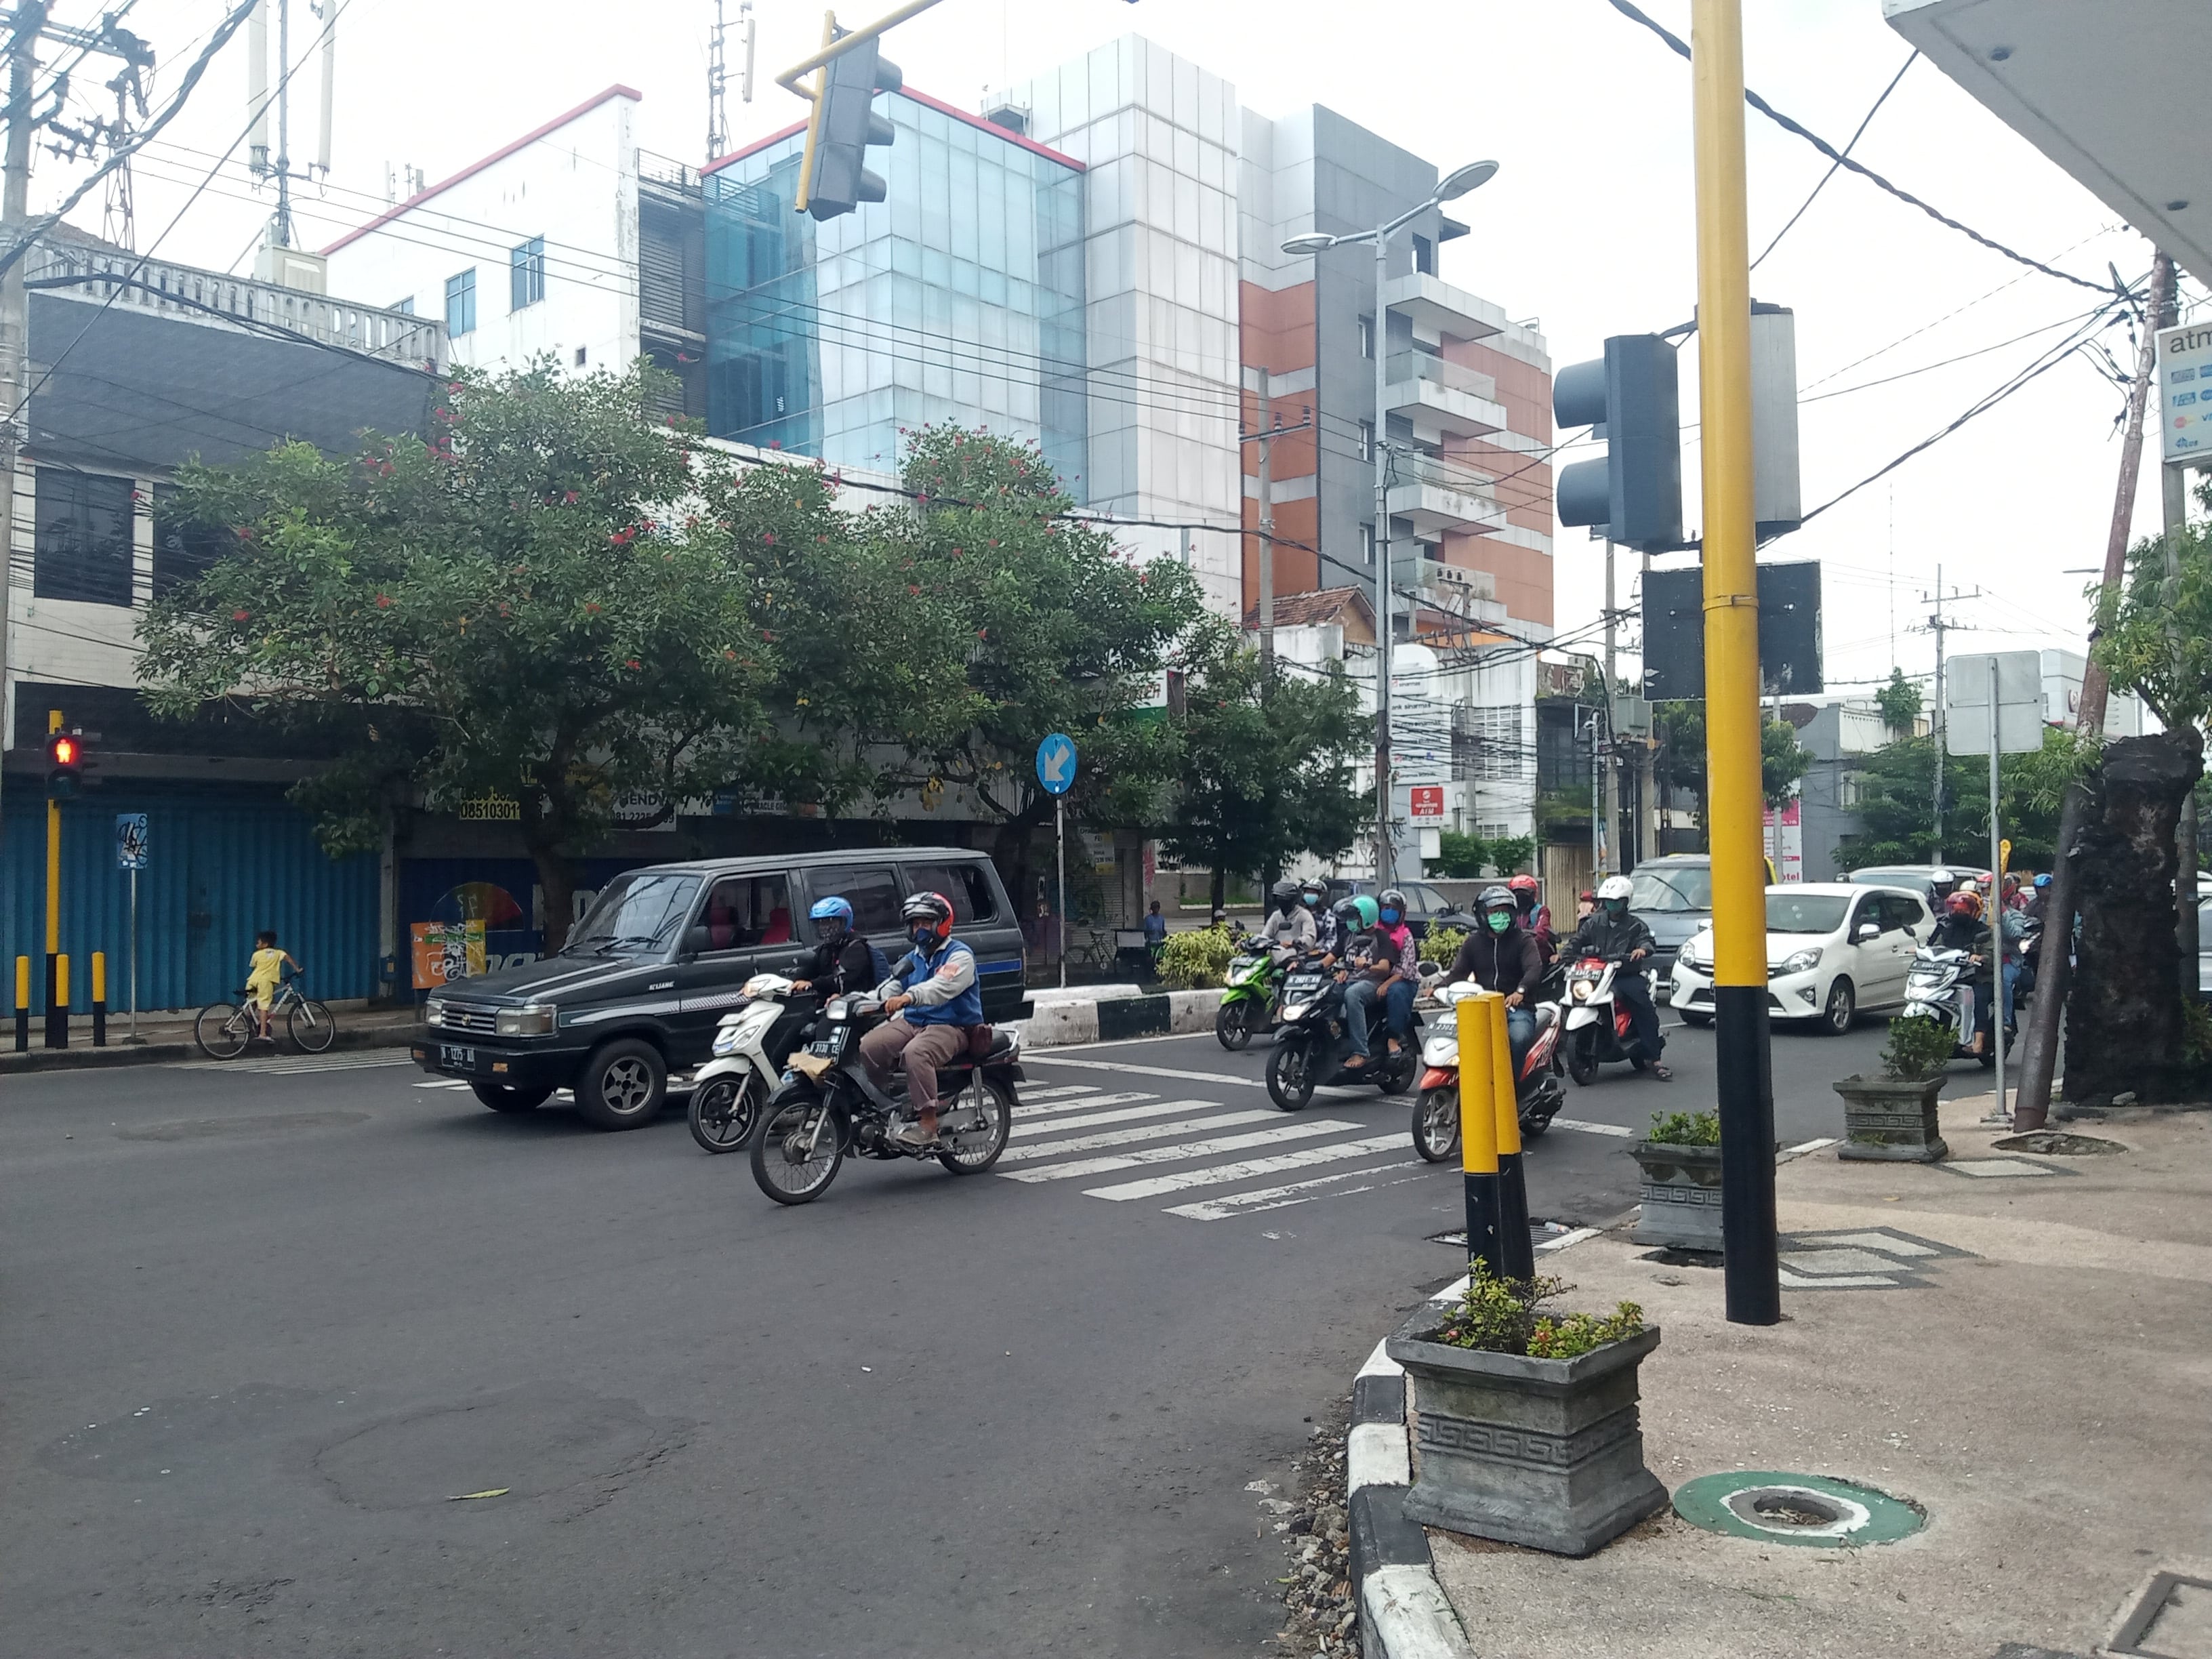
{"points": [[222, 1029], [311, 1026]]}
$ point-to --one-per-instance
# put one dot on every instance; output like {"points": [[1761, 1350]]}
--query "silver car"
{"points": [[1673, 897]]}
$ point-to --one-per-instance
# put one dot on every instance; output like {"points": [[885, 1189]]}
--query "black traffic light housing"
{"points": [[846, 124], [1633, 395], [64, 765]]}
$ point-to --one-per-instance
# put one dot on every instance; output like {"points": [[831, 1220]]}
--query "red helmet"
{"points": [[933, 910], [1965, 902], [1521, 883]]}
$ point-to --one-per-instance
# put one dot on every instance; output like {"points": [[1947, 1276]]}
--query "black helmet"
{"points": [[1284, 893], [1496, 898], [1346, 910], [1312, 891]]}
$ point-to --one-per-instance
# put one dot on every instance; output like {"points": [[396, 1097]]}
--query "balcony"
{"points": [[1443, 396], [1437, 496], [1441, 309]]}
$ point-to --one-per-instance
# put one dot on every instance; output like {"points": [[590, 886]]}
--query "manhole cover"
{"points": [[1814, 1509], [2173, 1621]]}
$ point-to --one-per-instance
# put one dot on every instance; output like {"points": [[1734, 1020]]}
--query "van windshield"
{"points": [[637, 914], [1679, 887]]}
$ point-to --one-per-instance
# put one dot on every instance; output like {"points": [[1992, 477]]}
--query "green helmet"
{"points": [[1366, 907]]}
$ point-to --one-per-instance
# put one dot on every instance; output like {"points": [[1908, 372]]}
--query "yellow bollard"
{"points": [[1516, 1255], [1478, 1128]]}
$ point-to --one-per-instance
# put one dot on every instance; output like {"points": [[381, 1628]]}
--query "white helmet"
{"points": [[1613, 887]]}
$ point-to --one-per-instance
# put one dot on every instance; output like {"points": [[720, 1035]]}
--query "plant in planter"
{"points": [[1528, 1427], [1681, 1162], [1893, 1116]]}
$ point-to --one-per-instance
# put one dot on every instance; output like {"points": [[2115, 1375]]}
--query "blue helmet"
{"points": [[832, 909], [2042, 880]]}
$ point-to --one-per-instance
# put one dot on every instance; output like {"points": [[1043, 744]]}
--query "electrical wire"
{"points": [[1836, 166]]}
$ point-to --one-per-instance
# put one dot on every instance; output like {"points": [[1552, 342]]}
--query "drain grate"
{"points": [[1817, 1511], [2172, 1619]]}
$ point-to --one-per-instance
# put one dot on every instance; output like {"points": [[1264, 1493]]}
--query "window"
{"points": [[639, 913], [872, 893], [83, 537], [461, 303], [183, 547], [965, 884], [1869, 909], [1367, 337], [1424, 255], [747, 910], [1799, 912], [1899, 911], [1681, 888], [1367, 440], [1367, 543], [405, 307], [525, 274], [580, 356]]}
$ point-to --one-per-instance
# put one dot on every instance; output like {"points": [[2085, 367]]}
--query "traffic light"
{"points": [[64, 765], [1631, 395], [842, 127]]}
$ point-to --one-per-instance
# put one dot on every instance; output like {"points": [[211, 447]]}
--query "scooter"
{"points": [[1247, 1003], [1939, 986], [1312, 1042], [1538, 1096], [1598, 1031], [752, 1044]]}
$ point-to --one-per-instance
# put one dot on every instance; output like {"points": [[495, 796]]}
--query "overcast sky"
{"points": [[1588, 226]]}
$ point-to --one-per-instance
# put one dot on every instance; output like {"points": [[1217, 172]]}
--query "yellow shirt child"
{"points": [[267, 970]]}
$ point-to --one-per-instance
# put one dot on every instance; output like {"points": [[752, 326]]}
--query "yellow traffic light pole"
{"points": [[1743, 1066], [57, 992], [833, 45]]}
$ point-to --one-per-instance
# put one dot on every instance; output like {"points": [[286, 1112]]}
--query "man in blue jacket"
{"points": [[934, 1002]]}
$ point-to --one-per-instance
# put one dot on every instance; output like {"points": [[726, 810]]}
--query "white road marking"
{"points": [[1030, 1152], [1296, 1192], [1222, 1173], [1224, 1077], [1029, 1095], [290, 1064], [1090, 1166], [1804, 1147], [442, 1083], [1122, 1114], [1582, 1126], [1085, 1103], [1574, 1236]]}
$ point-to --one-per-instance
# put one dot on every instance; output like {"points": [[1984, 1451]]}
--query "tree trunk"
{"points": [[2123, 1024], [557, 878], [1220, 886]]}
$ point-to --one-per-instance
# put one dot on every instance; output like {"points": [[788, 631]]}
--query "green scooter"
{"points": [[1247, 999]]}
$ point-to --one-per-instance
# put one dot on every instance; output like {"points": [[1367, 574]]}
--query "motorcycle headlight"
{"points": [[1440, 1051], [434, 1014], [1800, 962], [726, 1040], [1580, 990], [524, 1022], [1294, 1010]]}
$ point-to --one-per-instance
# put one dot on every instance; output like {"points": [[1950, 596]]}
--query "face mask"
{"points": [[832, 931], [1615, 907], [1390, 918], [1498, 921], [924, 937]]}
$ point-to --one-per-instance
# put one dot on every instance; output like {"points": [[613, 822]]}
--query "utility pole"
{"points": [[1384, 853], [2174, 482], [15, 309], [1266, 544], [1742, 1063], [1935, 622], [1597, 791], [1612, 761]]}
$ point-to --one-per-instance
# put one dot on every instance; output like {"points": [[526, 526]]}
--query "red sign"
{"points": [[1427, 803]]}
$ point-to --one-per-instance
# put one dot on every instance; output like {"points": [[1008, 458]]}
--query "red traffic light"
{"points": [[64, 765], [64, 750]]}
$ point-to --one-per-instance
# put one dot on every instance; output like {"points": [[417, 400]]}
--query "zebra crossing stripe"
{"points": [[1220, 1175], [1029, 1151], [1296, 1192], [292, 1065], [1029, 1095], [1121, 1114], [1091, 1166], [1084, 1104]]}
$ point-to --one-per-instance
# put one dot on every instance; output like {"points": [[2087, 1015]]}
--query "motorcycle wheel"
{"points": [[792, 1163], [723, 1112], [1582, 1055], [975, 1126], [1232, 1025], [1436, 1125], [1397, 1074], [1289, 1076], [1533, 1124]]}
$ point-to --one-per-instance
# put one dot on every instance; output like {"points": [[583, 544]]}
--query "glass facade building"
{"points": [[960, 297]]}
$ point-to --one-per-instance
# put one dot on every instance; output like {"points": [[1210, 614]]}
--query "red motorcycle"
{"points": [[1537, 1093]]}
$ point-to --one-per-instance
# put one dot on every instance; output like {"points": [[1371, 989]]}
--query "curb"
{"points": [[87, 1057], [1063, 1022], [1403, 1613]]}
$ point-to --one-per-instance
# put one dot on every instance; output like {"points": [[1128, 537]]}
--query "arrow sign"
{"points": [[1055, 763]]}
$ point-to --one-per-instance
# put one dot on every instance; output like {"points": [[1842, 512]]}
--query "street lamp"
{"points": [[1455, 184]]}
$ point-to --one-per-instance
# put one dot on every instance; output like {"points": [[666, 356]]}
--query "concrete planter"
{"points": [[1889, 1119], [1681, 1193], [1547, 1452]]}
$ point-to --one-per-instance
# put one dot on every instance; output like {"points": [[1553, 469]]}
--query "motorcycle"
{"points": [[1937, 986], [1247, 1005], [826, 1106], [752, 1044], [1598, 1029], [1312, 1041], [1537, 1094]]}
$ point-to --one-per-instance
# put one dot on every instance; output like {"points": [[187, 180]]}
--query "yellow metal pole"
{"points": [[1516, 1252], [1477, 1133], [1742, 1065], [57, 993], [814, 113]]}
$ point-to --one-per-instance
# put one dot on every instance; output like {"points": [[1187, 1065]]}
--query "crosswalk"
{"points": [[1082, 1133], [293, 1064]]}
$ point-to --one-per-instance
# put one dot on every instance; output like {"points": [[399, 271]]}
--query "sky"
{"points": [[1589, 225]]}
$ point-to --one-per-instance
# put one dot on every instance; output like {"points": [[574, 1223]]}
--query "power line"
{"points": [[1835, 165]]}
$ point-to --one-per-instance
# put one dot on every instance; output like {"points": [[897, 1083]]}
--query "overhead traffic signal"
{"points": [[842, 127], [1632, 396], [64, 765]]}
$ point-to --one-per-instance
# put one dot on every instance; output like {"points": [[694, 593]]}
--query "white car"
{"points": [[1834, 950]]}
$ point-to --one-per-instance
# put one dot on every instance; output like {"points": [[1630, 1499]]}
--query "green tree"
{"points": [[1897, 803], [549, 599], [1264, 767], [1460, 856], [1782, 760], [1899, 703]]}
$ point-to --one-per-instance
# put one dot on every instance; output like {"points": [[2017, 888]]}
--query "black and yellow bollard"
{"points": [[1478, 1132], [22, 1004], [58, 998], [1516, 1252], [100, 999]]}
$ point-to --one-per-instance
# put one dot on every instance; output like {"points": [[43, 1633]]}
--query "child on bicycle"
{"points": [[265, 973]]}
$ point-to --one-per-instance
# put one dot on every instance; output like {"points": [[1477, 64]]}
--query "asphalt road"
{"points": [[263, 1334]]}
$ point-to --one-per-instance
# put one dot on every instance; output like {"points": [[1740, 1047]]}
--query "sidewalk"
{"points": [[2022, 1347], [168, 1037]]}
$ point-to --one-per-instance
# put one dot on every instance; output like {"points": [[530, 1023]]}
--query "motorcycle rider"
{"points": [[842, 960], [1963, 929], [1535, 918], [1611, 931], [935, 1002], [1289, 924], [1501, 956], [1329, 930], [1386, 968]]}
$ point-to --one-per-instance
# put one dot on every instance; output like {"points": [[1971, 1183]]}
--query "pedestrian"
{"points": [[1156, 931]]}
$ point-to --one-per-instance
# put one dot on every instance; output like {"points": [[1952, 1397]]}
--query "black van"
{"points": [[641, 986]]}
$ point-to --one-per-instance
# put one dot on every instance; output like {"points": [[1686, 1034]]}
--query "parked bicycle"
{"points": [[224, 1028]]}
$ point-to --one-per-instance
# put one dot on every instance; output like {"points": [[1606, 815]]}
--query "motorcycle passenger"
{"points": [[1963, 929], [1500, 956], [1611, 931], [1289, 924], [1535, 918], [2041, 897], [1329, 930], [1386, 968], [935, 1002], [842, 960]]}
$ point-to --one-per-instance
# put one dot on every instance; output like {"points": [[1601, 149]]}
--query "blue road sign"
{"points": [[1055, 763], [130, 840]]}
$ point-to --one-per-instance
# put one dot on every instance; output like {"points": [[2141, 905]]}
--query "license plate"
{"points": [[449, 1054], [1302, 982]]}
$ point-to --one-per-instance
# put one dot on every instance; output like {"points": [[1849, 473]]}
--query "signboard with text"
{"points": [[2184, 395], [1426, 803]]}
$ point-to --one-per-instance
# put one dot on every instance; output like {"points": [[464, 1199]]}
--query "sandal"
{"points": [[1664, 1074]]}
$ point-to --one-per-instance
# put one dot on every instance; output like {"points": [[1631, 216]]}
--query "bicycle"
{"points": [[223, 1028]]}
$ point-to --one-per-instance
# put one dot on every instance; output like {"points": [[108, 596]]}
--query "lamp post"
{"points": [[1455, 184]]}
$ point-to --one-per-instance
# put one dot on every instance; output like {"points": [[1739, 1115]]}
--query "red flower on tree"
{"points": [[241, 615]]}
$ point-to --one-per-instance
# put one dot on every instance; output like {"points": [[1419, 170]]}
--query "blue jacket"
{"points": [[942, 984]]}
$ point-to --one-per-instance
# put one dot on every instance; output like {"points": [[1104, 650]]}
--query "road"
{"points": [[266, 1331]]}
